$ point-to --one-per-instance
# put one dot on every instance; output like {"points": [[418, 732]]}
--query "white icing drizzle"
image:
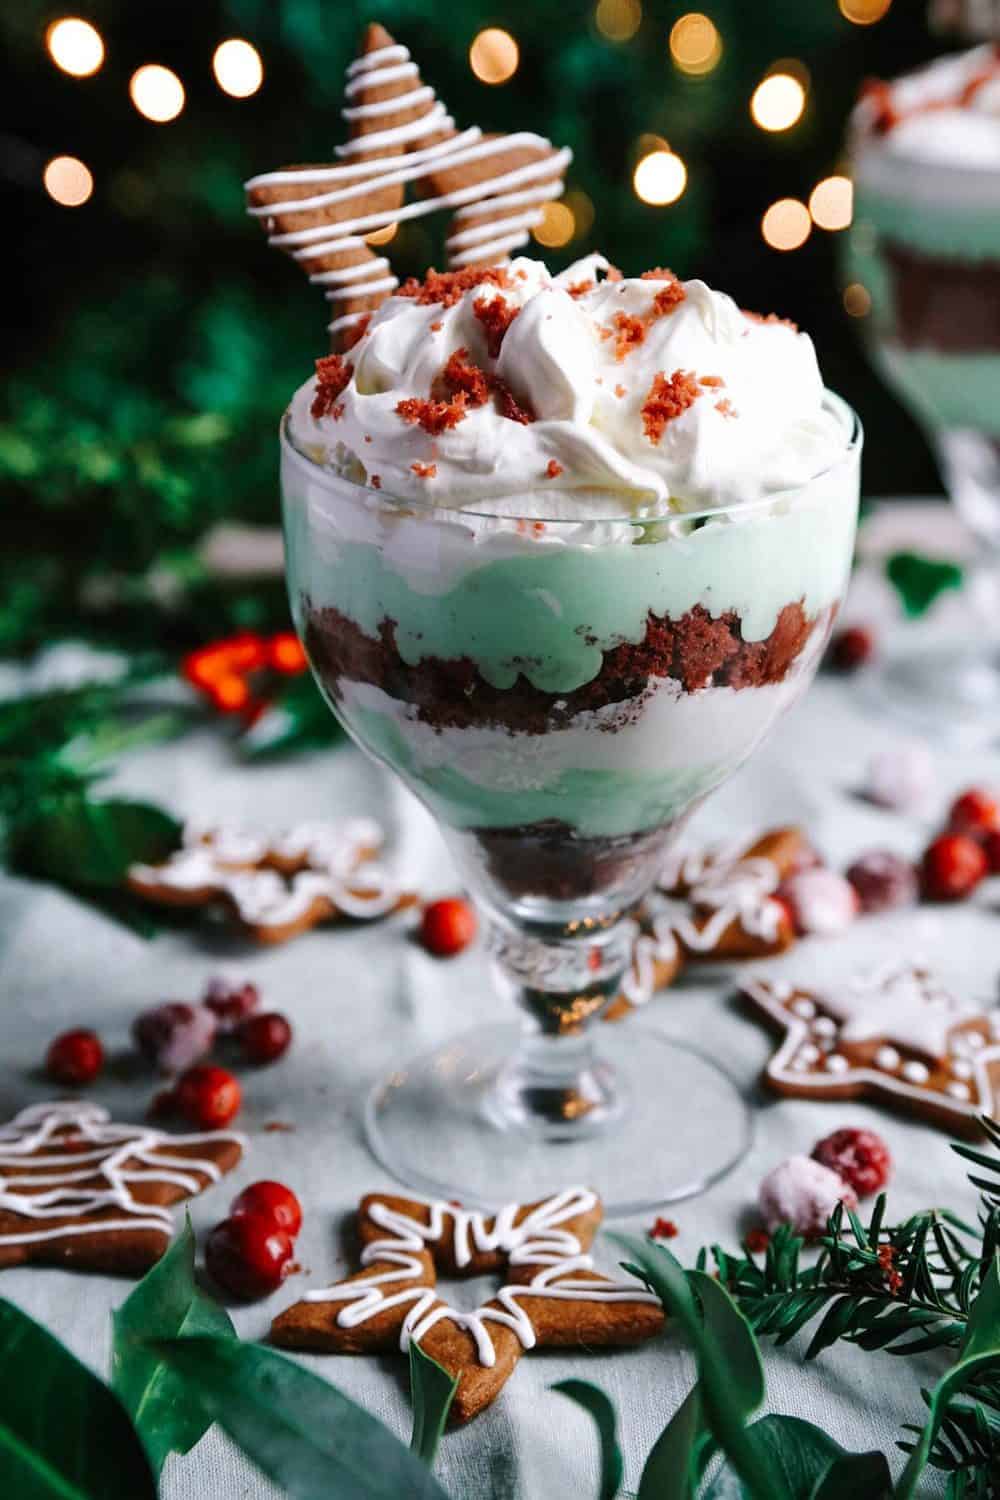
{"points": [[959, 1090], [232, 863], [506, 229], [837, 1063], [903, 1005], [915, 1072], [537, 1240], [805, 1008], [887, 1058], [23, 1143]]}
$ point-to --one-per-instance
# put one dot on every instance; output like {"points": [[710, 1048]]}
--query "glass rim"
{"points": [[840, 408]]}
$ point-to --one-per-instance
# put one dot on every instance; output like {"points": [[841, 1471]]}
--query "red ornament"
{"points": [[285, 654], [248, 1256], [208, 1096], [237, 673], [851, 648], [75, 1057], [976, 812], [266, 1037], [953, 865], [447, 926], [270, 1200], [860, 1157]]}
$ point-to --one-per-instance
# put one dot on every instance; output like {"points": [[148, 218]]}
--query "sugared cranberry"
{"points": [[230, 1003], [900, 778], [953, 865], [175, 1035], [860, 1157], [248, 1256], [803, 1193], [75, 1057], [991, 848], [447, 926], [851, 648], [270, 1200], [976, 811], [883, 880], [208, 1097], [822, 902], [265, 1037]]}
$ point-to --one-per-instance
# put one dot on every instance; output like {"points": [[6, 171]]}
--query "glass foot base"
{"points": [[951, 691], [656, 1121]]}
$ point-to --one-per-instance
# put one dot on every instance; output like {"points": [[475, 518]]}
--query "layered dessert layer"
{"points": [[561, 674], [926, 238]]}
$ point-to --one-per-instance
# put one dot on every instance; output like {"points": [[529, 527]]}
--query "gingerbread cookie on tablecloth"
{"points": [[897, 1036], [714, 904], [79, 1191], [276, 887], [551, 1295]]}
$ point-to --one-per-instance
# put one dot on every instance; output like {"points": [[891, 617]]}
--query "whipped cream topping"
{"points": [[946, 113], [741, 411]]}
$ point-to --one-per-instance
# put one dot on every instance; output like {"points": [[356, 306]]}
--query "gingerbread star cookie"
{"points": [[79, 1191], [897, 1036], [399, 133], [275, 887], [551, 1295], [714, 904]]}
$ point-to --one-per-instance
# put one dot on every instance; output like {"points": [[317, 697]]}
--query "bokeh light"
{"points": [[494, 55], [660, 177], [831, 203], [68, 181], [581, 206], [618, 20], [786, 225], [864, 12], [556, 226], [857, 300], [237, 67], [778, 102], [75, 46], [382, 236], [695, 44], [156, 93]]}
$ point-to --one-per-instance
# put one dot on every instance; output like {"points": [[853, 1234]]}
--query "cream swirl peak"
{"points": [[518, 392], [947, 112]]}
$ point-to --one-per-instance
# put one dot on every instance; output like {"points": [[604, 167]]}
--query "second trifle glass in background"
{"points": [[562, 550]]}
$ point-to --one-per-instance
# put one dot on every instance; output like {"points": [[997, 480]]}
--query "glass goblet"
{"points": [[561, 695]]}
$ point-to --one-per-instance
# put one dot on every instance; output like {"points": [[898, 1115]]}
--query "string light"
{"points": [[660, 178], [857, 300], [75, 46], [831, 203], [237, 67], [382, 236], [695, 44], [582, 209], [618, 20], [786, 225], [494, 55], [778, 102], [156, 93], [68, 181], [556, 227], [864, 12]]}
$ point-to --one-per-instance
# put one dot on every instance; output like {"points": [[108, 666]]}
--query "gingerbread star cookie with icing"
{"points": [[715, 904], [276, 887], [897, 1036], [551, 1295], [81, 1192], [400, 133]]}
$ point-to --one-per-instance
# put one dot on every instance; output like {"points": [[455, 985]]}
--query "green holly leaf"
{"points": [[432, 1391], [167, 1302], [63, 1434], [601, 1408], [306, 1435], [81, 843], [919, 580]]}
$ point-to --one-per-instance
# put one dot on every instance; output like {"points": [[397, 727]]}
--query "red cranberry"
{"points": [[208, 1096], [851, 648], [248, 1256], [75, 1057], [860, 1157], [821, 902], [270, 1200], [447, 926], [883, 880], [953, 865], [991, 848], [174, 1035], [229, 1003], [975, 811], [265, 1037]]}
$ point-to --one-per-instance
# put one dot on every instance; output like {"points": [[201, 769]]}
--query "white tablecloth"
{"points": [[364, 999]]}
